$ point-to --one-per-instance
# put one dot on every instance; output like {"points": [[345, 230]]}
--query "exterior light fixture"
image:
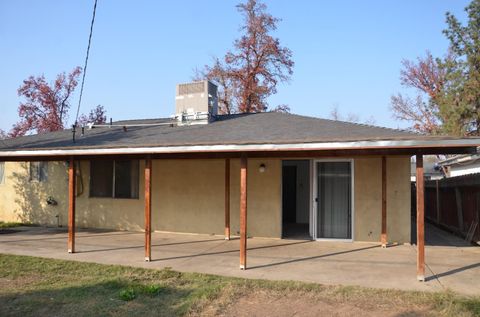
{"points": [[262, 168]]}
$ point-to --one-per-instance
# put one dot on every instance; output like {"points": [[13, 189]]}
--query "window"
{"points": [[2, 172], [38, 171], [101, 179], [114, 179]]}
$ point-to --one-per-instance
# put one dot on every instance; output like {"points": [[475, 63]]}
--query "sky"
{"points": [[347, 53]]}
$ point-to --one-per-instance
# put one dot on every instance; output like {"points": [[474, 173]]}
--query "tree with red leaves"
{"points": [[46, 106], [96, 116], [249, 73], [448, 99], [428, 78]]}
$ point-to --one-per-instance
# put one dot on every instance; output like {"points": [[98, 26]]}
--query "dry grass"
{"points": [[32, 286]]}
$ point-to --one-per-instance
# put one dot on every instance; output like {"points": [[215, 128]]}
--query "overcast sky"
{"points": [[347, 53]]}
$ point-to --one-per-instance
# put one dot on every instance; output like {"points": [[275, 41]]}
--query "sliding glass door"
{"points": [[334, 200]]}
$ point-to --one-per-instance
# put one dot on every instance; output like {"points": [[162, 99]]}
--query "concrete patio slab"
{"points": [[451, 263]]}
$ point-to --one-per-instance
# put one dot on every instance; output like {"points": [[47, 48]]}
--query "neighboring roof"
{"points": [[464, 159], [252, 131]]}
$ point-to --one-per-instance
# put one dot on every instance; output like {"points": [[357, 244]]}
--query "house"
{"points": [[303, 177], [459, 165], [432, 171]]}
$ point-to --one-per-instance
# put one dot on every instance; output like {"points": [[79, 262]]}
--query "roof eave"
{"points": [[469, 144]]}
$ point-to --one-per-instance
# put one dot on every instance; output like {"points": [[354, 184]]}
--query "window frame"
{"points": [[114, 181], [39, 176]]}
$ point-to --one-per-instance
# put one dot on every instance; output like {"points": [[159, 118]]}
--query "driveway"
{"points": [[451, 263]]}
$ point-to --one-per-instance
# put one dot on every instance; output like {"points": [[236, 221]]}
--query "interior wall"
{"points": [[303, 189]]}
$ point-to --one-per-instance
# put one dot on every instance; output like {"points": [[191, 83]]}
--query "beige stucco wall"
{"points": [[188, 196], [25, 201], [368, 199]]}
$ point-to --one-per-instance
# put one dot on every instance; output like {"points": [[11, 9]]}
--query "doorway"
{"points": [[296, 199]]}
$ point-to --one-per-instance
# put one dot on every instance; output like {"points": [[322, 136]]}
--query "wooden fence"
{"points": [[454, 203]]}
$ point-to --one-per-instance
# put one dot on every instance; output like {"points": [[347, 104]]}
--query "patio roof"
{"points": [[261, 132]]}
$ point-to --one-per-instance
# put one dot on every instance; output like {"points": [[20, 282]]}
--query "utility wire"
{"points": [[86, 61]]}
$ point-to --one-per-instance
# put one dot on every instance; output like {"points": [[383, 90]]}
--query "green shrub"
{"points": [[153, 290], [127, 294]]}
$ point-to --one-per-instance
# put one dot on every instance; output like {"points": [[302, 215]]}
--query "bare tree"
{"points": [[335, 114]]}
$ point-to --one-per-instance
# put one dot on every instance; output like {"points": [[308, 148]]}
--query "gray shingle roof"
{"points": [[261, 128]]}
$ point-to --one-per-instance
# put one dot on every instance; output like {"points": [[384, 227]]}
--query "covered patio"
{"points": [[363, 264], [239, 145]]}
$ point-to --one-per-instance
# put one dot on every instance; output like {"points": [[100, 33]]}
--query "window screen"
{"points": [[101, 179], [38, 171]]}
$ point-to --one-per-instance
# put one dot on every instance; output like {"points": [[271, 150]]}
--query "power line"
{"points": [[86, 61]]}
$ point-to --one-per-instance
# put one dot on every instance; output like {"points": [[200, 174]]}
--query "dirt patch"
{"points": [[298, 304]]}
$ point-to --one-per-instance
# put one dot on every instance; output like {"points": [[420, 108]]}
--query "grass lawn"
{"points": [[5, 225], [31, 286]]}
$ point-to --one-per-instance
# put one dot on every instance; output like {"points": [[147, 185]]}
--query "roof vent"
{"points": [[196, 102]]}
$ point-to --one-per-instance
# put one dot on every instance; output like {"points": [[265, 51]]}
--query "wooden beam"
{"points": [[420, 220], [148, 209], [71, 204], [243, 212], [227, 199], [383, 237]]}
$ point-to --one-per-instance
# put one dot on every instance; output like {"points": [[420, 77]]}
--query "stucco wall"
{"points": [[26, 201], [188, 196], [368, 199], [121, 214]]}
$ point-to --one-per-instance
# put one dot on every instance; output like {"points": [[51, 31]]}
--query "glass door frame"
{"points": [[314, 191]]}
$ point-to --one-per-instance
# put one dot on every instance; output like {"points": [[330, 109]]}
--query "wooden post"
{"points": [[383, 237], [243, 212], [420, 220], [227, 199], [71, 205], [148, 209]]}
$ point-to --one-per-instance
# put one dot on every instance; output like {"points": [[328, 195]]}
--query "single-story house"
{"points": [[459, 165], [304, 177], [431, 169]]}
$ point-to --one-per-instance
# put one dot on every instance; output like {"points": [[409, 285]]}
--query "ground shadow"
{"points": [[230, 251], [454, 271], [98, 299], [52, 231], [143, 246], [315, 257], [435, 236]]}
